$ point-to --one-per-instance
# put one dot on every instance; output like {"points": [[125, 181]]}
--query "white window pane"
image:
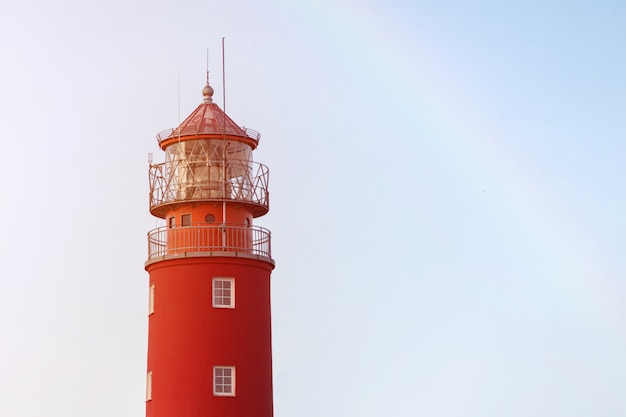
{"points": [[151, 300], [224, 292], [149, 386], [224, 380]]}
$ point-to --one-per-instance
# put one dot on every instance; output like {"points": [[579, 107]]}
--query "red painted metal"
{"points": [[208, 120]]}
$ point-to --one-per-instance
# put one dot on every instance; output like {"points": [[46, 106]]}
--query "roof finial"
{"points": [[207, 91]]}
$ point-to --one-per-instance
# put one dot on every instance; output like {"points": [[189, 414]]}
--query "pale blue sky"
{"points": [[447, 199]]}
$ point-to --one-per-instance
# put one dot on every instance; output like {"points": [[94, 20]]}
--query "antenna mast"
{"points": [[223, 78], [224, 137], [179, 106]]}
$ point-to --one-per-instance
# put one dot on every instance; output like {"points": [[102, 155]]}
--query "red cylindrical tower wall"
{"points": [[188, 337], [200, 213], [207, 232]]}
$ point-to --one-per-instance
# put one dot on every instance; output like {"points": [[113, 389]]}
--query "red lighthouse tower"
{"points": [[209, 342]]}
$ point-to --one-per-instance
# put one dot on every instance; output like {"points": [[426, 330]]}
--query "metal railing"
{"points": [[249, 240], [208, 130], [181, 180]]}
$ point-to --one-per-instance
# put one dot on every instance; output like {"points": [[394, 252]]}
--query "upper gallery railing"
{"points": [[182, 180], [208, 129]]}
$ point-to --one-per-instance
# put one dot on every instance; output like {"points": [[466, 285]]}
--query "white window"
{"points": [[151, 300], [224, 292], [224, 381], [149, 386]]}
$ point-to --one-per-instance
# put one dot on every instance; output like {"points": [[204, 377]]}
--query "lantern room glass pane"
{"points": [[208, 168], [202, 150]]}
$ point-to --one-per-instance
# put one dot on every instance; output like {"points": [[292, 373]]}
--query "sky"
{"points": [[447, 198]]}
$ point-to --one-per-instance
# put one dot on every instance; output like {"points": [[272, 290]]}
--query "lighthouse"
{"points": [[209, 330]]}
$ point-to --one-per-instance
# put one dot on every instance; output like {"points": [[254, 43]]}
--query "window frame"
{"points": [[214, 304], [183, 217], [232, 385]]}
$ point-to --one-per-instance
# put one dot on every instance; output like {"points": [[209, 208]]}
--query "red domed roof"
{"points": [[209, 119]]}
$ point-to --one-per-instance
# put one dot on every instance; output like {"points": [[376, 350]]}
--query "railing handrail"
{"points": [[200, 225], [218, 161]]}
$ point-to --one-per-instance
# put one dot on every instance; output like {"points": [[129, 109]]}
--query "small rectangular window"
{"points": [[224, 292], [149, 386], [171, 222], [224, 381], [185, 220], [151, 300]]}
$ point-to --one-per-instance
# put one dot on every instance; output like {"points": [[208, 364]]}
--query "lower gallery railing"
{"points": [[252, 240]]}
